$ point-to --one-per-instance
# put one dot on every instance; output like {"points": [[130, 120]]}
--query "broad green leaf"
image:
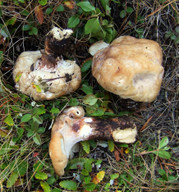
{"points": [[73, 21], [37, 119], [41, 110], [90, 186], [45, 186], [88, 165], [86, 6], [26, 118], [69, 185], [49, 10], [24, 12], [26, 27], [86, 66], [41, 175], [38, 166], [11, 21], [92, 26], [54, 110], [122, 14], [87, 89], [73, 102], [163, 142], [4, 33], [111, 145], [163, 154], [90, 100], [42, 2], [56, 190], [75, 163], [12, 179], [129, 10], [34, 31], [114, 176], [86, 146], [60, 8], [84, 172], [41, 130], [37, 139], [9, 120], [51, 180], [21, 168]]}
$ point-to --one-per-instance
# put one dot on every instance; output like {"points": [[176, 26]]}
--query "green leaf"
{"points": [[90, 186], [86, 146], [37, 119], [24, 13], [60, 8], [73, 102], [114, 176], [21, 168], [163, 154], [111, 145], [41, 130], [11, 21], [73, 21], [122, 14], [49, 10], [34, 30], [92, 26], [51, 180], [70, 185], [41, 175], [37, 139], [26, 27], [42, 2], [87, 89], [56, 190], [18, 76], [26, 118], [1, 57], [9, 120], [90, 100], [88, 165], [38, 166], [45, 186], [86, 66], [54, 110], [129, 10], [12, 179], [86, 6], [41, 110], [163, 142], [84, 172]]}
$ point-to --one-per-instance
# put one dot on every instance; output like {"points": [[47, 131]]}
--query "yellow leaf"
{"points": [[69, 4], [18, 76], [126, 151], [37, 87], [99, 177]]}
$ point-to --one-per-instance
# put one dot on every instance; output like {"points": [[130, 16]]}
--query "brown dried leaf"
{"points": [[39, 14], [70, 4], [116, 154]]}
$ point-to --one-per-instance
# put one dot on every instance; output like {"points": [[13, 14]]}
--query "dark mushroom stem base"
{"points": [[71, 127]]}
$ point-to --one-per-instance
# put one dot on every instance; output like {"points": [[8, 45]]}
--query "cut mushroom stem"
{"points": [[72, 127], [55, 41]]}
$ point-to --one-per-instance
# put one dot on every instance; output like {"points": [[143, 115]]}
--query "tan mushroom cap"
{"points": [[130, 68]]}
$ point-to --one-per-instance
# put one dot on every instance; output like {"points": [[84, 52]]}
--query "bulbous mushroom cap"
{"points": [[130, 68], [41, 82]]}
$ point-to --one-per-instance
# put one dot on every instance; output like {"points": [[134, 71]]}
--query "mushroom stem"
{"points": [[72, 127], [55, 43]]}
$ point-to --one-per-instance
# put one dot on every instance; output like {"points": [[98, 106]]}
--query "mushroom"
{"points": [[129, 67], [72, 127], [44, 74]]}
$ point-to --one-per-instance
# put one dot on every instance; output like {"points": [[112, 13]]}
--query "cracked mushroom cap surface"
{"points": [[130, 68], [45, 75], [44, 83]]}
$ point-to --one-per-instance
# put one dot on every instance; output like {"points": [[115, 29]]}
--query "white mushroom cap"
{"points": [[72, 127], [44, 75], [130, 68], [44, 83]]}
